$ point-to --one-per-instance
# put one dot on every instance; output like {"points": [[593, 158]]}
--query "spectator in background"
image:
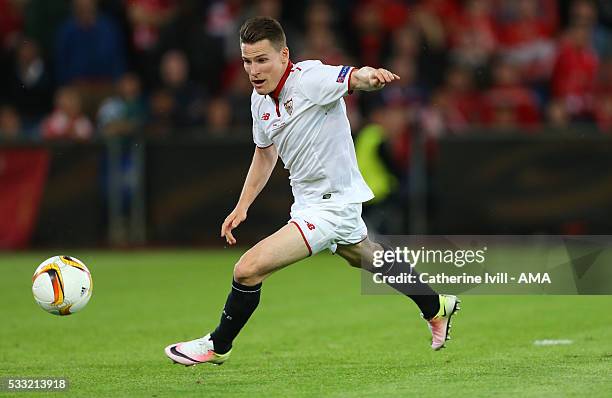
{"points": [[194, 41], [11, 22], [320, 35], [603, 114], [147, 18], [10, 124], [160, 122], [405, 90], [526, 36], [604, 34], [463, 96], [603, 98], [124, 113], [319, 14], [509, 104], [218, 117], [89, 46], [556, 116], [370, 45], [321, 44], [42, 19], [405, 42], [238, 93], [30, 87], [586, 13], [454, 107], [222, 20], [576, 65], [374, 148], [408, 42], [188, 98], [472, 34], [441, 117], [67, 120], [435, 18]]}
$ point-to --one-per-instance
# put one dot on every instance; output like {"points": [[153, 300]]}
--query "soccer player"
{"points": [[299, 114]]}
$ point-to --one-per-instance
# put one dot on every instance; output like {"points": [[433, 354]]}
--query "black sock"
{"points": [[241, 303], [421, 293]]}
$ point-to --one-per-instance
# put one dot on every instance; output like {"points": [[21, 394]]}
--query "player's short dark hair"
{"points": [[262, 28]]}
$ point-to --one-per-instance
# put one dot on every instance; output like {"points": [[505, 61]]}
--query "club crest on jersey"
{"points": [[289, 106], [342, 75]]}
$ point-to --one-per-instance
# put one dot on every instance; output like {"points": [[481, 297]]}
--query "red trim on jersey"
{"points": [[349, 81], [264, 147], [303, 237], [274, 94]]}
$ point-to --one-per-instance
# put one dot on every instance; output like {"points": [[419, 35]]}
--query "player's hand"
{"points": [[378, 78], [234, 219]]}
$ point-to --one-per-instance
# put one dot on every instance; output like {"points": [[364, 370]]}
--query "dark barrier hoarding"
{"points": [[478, 185], [191, 188], [515, 185], [73, 208]]}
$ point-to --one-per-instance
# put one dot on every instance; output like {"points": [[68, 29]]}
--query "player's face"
{"points": [[264, 64]]}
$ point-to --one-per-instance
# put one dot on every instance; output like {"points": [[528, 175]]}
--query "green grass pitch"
{"points": [[313, 335]]}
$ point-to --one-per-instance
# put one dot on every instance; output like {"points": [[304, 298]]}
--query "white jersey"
{"points": [[305, 118]]}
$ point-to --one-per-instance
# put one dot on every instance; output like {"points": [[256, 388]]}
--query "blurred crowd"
{"points": [[83, 69]]}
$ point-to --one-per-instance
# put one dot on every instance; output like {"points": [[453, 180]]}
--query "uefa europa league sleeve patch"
{"points": [[342, 75]]}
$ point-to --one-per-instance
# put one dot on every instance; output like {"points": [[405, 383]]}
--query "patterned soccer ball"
{"points": [[62, 285]]}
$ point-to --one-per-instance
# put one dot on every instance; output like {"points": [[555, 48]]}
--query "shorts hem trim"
{"points": [[303, 237]]}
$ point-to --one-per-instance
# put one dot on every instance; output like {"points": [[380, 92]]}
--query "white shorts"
{"points": [[324, 226]]}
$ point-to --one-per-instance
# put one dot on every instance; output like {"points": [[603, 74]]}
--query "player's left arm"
{"points": [[370, 79]]}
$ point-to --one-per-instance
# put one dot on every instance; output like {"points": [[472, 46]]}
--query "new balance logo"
{"points": [[310, 226], [265, 116]]}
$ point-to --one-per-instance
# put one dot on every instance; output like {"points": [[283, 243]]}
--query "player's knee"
{"points": [[361, 255], [247, 269], [354, 261], [351, 255]]}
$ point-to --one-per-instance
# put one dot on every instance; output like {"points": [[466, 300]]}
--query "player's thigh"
{"points": [[358, 254], [284, 247]]}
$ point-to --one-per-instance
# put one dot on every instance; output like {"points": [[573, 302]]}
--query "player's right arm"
{"points": [[370, 79], [264, 160], [324, 84]]}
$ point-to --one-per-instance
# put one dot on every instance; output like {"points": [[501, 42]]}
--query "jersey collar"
{"points": [[274, 94]]}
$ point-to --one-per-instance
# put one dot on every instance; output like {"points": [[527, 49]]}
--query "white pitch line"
{"points": [[553, 342]]}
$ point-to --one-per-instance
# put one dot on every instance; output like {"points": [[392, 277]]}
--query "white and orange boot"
{"points": [[440, 324], [195, 352]]}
